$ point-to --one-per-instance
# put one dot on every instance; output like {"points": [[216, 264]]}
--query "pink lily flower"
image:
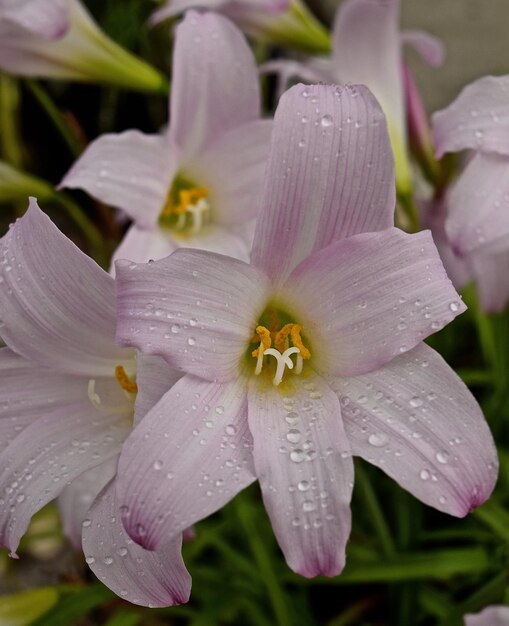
{"points": [[367, 49], [285, 22], [59, 39], [310, 354], [490, 616], [197, 184], [67, 403], [477, 222]]}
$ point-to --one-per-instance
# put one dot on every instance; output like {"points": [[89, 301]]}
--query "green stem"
{"points": [[374, 511], [9, 129], [411, 212], [55, 116], [245, 515]]}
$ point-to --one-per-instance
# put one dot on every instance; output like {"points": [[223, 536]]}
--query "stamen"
{"points": [[281, 352], [124, 381], [191, 201], [92, 395], [297, 341]]}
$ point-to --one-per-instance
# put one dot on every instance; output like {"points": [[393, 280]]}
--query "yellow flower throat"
{"points": [[287, 341], [186, 207]]}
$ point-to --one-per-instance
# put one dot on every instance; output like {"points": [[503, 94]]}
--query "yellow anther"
{"points": [[186, 198], [263, 334], [297, 341], [281, 339], [124, 381]]}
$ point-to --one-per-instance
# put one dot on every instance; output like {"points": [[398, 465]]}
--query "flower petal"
{"points": [[57, 306], [304, 465], [117, 561], [215, 82], [366, 50], [491, 275], [77, 497], [232, 169], [130, 171], [478, 118], [48, 454], [45, 18], [28, 391], [364, 300], [142, 246], [418, 422], [430, 48], [175, 7], [490, 616], [154, 377], [198, 310], [330, 175], [478, 206], [187, 458]]}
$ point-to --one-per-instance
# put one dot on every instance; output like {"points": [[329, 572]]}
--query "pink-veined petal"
{"points": [[418, 422], [313, 70], [45, 456], [491, 275], [366, 50], [366, 299], [154, 377], [490, 616], [57, 306], [48, 19], [430, 48], [77, 498], [304, 465], [28, 391], [478, 206], [198, 310], [154, 579], [175, 7], [478, 118], [130, 171], [187, 458], [215, 82], [232, 169], [330, 175]]}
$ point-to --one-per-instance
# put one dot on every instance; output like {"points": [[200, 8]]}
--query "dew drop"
{"points": [[416, 402], [378, 440], [442, 457], [326, 121], [293, 435], [424, 475]]}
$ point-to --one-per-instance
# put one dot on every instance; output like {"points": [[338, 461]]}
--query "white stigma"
{"points": [[197, 211], [283, 361]]}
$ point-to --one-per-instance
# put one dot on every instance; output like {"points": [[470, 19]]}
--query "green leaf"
{"points": [[75, 605], [20, 609]]}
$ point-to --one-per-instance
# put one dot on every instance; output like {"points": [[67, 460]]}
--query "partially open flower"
{"points": [[283, 22], [59, 39]]}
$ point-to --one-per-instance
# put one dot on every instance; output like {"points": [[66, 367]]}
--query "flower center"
{"points": [[128, 386], [281, 343], [186, 208]]}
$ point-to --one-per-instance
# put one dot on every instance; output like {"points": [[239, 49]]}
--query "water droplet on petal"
{"points": [[326, 121], [378, 440]]}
